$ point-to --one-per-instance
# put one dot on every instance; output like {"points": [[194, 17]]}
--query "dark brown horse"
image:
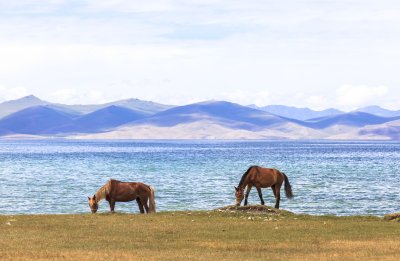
{"points": [[260, 177], [115, 190]]}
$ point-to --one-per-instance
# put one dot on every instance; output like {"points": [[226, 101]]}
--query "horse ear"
{"points": [[236, 188], [88, 198], [94, 196]]}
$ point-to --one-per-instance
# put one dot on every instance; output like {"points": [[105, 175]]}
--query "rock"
{"points": [[253, 208]]}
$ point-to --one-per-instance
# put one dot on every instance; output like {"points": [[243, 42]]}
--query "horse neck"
{"points": [[102, 192], [244, 180], [243, 185]]}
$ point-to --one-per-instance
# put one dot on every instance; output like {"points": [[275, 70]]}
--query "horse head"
{"points": [[239, 193], [93, 204]]}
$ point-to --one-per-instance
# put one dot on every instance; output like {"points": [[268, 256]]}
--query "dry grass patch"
{"points": [[225, 234]]}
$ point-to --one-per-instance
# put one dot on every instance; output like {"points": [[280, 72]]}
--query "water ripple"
{"points": [[342, 178]]}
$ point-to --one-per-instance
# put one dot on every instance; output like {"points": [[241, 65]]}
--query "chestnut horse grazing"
{"points": [[115, 190], [260, 177]]}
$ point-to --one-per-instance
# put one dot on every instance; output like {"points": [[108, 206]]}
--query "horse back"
{"points": [[267, 177], [127, 191]]}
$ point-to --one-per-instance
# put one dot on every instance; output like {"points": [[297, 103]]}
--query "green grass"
{"points": [[205, 235]]}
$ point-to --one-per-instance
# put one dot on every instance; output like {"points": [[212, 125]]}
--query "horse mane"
{"points": [[245, 175], [104, 190]]}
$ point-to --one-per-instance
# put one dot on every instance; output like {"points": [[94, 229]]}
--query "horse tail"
{"points": [[288, 187], [244, 175], [152, 207]]}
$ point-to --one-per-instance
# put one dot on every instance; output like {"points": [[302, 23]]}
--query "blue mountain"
{"points": [[222, 112], [146, 107], [355, 119], [4, 131], [391, 130], [34, 120], [53, 119], [379, 111], [101, 120], [297, 113], [9, 107]]}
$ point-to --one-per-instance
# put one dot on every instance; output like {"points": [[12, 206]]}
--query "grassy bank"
{"points": [[207, 235]]}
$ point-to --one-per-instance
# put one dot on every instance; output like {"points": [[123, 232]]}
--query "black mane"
{"points": [[245, 174]]}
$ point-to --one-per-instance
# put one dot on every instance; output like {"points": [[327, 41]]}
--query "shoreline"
{"points": [[250, 209]]}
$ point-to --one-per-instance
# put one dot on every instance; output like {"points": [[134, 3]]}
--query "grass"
{"points": [[227, 234]]}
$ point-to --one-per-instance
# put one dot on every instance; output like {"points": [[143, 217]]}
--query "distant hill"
{"points": [[4, 131], [202, 129], [297, 113], [210, 120], [354, 119], [9, 107], [204, 120], [146, 107], [34, 120], [224, 113], [385, 131], [379, 111], [389, 130], [101, 120]]}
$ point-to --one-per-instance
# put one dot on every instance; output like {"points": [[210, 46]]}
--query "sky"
{"points": [[306, 53]]}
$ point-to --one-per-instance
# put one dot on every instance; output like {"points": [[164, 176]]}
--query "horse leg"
{"points": [[247, 194], [140, 205], [144, 203], [112, 204], [260, 195], [277, 196], [273, 191]]}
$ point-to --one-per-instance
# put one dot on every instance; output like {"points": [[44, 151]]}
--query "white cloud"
{"points": [[183, 51], [64, 96], [354, 96], [315, 101], [130, 6], [11, 93], [73, 96], [246, 97], [30, 6]]}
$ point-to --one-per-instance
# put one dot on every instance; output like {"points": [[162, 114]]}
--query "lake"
{"points": [[327, 177]]}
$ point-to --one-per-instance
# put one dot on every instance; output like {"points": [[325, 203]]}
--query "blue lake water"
{"points": [[342, 178]]}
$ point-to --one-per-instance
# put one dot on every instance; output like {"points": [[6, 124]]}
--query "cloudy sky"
{"points": [[319, 54]]}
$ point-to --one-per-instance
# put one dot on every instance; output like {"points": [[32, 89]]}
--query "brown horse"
{"points": [[260, 177], [115, 190]]}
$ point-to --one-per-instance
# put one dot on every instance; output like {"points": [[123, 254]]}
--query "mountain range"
{"points": [[148, 107], [137, 119], [297, 113]]}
